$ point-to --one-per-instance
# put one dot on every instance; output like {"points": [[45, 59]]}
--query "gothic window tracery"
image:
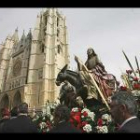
{"points": [[17, 67]]}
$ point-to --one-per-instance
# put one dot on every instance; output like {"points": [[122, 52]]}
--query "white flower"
{"points": [[47, 130], [102, 129], [75, 109], [106, 118], [91, 115], [42, 125], [87, 128], [43, 119], [51, 118], [85, 110]]}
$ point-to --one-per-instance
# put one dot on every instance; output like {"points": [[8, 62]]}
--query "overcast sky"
{"points": [[107, 30]]}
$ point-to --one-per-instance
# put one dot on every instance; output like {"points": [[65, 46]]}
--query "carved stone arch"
{"points": [[4, 101], [17, 99]]}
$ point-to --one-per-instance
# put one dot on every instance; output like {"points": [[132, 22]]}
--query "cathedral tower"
{"points": [[34, 61], [49, 53]]}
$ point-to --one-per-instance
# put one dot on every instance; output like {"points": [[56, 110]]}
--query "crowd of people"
{"points": [[17, 120], [124, 111]]}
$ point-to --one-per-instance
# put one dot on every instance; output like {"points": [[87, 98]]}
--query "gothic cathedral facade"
{"points": [[29, 66]]}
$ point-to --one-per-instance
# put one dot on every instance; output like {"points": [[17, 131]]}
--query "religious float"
{"points": [[86, 91]]}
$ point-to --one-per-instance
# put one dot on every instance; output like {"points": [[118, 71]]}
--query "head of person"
{"points": [[14, 111], [5, 112], [123, 106], [90, 52], [61, 113], [23, 108]]}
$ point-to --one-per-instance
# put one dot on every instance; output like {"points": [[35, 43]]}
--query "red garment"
{"points": [[5, 112]]}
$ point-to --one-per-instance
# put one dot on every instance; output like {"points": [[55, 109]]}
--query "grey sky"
{"points": [[107, 30]]}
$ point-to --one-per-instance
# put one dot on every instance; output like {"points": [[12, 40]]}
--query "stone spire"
{"points": [[15, 35], [41, 12], [8, 36], [44, 9], [29, 35], [23, 37], [37, 25], [36, 29]]}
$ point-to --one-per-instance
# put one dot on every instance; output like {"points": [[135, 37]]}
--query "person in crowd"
{"points": [[14, 112], [61, 121], [21, 124], [5, 113], [124, 112]]}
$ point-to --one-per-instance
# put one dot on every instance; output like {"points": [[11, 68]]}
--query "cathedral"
{"points": [[29, 65]]}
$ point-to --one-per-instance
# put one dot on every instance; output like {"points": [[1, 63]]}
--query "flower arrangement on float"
{"points": [[82, 119], [44, 119], [43, 122], [90, 122], [130, 81]]}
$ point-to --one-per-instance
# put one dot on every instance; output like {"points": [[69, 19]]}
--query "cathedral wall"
{"points": [[34, 94], [33, 76], [35, 48]]}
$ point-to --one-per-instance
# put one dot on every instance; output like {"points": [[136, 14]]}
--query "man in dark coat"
{"points": [[61, 121], [124, 112], [21, 124], [14, 112]]}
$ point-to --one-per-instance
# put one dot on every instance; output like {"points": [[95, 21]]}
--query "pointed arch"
{"points": [[4, 101], [17, 99]]}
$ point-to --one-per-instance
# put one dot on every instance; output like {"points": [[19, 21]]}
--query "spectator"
{"points": [[5, 113], [61, 121], [124, 112], [14, 112], [21, 124]]}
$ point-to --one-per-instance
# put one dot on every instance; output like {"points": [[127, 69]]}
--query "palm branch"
{"points": [[137, 65], [129, 64]]}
